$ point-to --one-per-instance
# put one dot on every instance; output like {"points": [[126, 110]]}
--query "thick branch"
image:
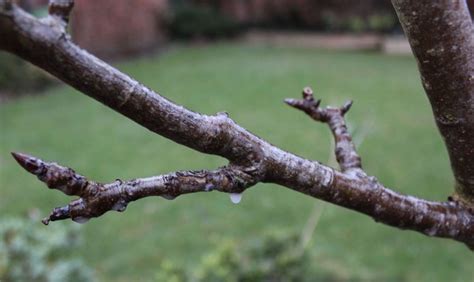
{"points": [[346, 154], [441, 35], [48, 48]]}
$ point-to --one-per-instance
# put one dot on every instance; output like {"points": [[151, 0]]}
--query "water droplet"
{"points": [[235, 197], [120, 206], [168, 197], [81, 219]]}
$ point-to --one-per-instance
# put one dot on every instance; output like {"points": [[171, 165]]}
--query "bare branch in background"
{"points": [[251, 159]]}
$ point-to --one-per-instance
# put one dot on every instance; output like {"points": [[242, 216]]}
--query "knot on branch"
{"points": [[311, 107], [61, 9], [6, 5]]}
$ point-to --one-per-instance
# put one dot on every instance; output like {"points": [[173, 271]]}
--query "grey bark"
{"points": [[251, 159], [441, 35]]}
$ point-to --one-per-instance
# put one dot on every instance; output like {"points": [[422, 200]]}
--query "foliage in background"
{"points": [[276, 256], [271, 258], [191, 21], [31, 252], [17, 76], [209, 20], [378, 22], [323, 15]]}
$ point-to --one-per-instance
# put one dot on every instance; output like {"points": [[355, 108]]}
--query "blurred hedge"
{"points": [[323, 15], [276, 256], [378, 23], [30, 252], [192, 21]]}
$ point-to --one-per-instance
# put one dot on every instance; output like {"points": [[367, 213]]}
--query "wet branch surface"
{"points": [[96, 199], [252, 160]]}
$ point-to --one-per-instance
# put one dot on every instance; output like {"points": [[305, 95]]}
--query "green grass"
{"points": [[403, 150]]}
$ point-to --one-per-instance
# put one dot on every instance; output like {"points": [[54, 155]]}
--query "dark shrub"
{"points": [[191, 21], [273, 257]]}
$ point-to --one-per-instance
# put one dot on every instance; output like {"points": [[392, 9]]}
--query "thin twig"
{"points": [[97, 199], [346, 154]]}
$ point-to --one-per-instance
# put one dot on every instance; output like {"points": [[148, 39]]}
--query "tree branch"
{"points": [[250, 158], [97, 199], [346, 154], [441, 35]]}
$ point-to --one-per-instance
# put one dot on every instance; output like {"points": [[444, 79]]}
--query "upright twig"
{"points": [[345, 150]]}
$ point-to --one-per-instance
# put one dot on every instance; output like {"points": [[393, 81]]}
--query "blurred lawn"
{"points": [[403, 150]]}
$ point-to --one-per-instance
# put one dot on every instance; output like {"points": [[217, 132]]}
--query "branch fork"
{"points": [[346, 154], [251, 159]]}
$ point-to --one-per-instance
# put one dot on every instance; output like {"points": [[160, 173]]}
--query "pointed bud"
{"points": [[346, 107], [317, 103], [55, 176], [29, 163], [291, 102], [57, 214]]}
